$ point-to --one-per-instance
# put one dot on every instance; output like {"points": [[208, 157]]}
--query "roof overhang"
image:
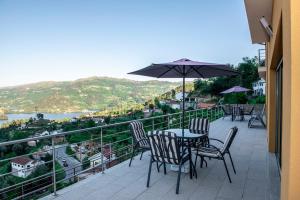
{"points": [[257, 9]]}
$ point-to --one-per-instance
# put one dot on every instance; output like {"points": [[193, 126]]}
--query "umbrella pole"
{"points": [[183, 110], [183, 104]]}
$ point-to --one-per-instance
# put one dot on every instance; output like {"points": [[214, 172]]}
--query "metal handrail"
{"points": [[124, 154], [86, 129]]}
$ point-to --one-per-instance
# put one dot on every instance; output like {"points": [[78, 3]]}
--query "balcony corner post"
{"points": [[102, 164], [53, 167]]}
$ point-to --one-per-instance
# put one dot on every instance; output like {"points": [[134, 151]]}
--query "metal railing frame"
{"points": [[212, 113]]}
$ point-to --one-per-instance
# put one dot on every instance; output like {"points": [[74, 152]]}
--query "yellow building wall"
{"points": [[286, 42]]}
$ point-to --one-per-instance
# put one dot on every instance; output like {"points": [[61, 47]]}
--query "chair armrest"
{"points": [[216, 140]]}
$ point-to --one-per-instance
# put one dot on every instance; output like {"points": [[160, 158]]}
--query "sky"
{"points": [[61, 40]]}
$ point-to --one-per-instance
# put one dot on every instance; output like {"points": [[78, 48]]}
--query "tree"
{"points": [[39, 171], [107, 119], [248, 74], [248, 70], [151, 106], [85, 163], [173, 93], [47, 160], [157, 103], [3, 149], [18, 149]]}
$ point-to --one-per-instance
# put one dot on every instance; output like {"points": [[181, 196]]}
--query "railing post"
{"points": [[202, 113], [180, 122], [211, 114], [53, 166], [101, 138], [168, 121], [80, 153], [152, 124]]}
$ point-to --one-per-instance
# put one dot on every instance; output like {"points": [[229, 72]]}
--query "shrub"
{"points": [[258, 100], [236, 98], [85, 163], [69, 151]]}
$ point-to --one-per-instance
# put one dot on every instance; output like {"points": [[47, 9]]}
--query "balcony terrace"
{"points": [[257, 175]]}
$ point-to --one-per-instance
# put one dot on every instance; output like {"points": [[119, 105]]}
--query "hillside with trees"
{"points": [[94, 94]]}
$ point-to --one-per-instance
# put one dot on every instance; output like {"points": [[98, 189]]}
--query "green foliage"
{"points": [[17, 135], [39, 171], [18, 149], [5, 167], [69, 151], [151, 106], [47, 160], [156, 103], [60, 172], [166, 109], [76, 138], [235, 98], [202, 86], [107, 119], [258, 100], [214, 86], [85, 163]]}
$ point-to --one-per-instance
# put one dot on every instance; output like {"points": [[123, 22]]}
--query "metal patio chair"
{"points": [[227, 110], [258, 117], [140, 139], [248, 110], [200, 126], [165, 148], [213, 152]]}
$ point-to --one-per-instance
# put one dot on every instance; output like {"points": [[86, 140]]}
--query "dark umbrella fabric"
{"points": [[235, 89], [185, 68]]}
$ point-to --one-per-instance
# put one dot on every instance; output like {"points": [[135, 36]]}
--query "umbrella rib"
{"points": [[233, 71], [190, 69], [179, 72], [169, 69], [197, 72]]}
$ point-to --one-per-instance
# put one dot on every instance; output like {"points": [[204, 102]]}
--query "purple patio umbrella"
{"points": [[235, 89], [185, 68]]}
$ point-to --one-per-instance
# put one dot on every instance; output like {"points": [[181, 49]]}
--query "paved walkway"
{"points": [[256, 179]]}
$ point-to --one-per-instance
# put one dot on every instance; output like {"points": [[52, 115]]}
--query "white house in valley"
{"points": [[23, 166], [108, 156], [179, 96], [259, 87]]}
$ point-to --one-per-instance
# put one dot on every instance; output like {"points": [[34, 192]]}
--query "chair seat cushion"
{"points": [[145, 146], [209, 152]]}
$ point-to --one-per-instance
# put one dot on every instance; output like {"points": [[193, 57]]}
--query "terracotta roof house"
{"points": [[23, 166]]}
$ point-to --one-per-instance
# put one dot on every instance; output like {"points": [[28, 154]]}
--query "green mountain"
{"points": [[94, 93]]}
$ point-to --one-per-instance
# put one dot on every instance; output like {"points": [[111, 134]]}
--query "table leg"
{"points": [[190, 158]]}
